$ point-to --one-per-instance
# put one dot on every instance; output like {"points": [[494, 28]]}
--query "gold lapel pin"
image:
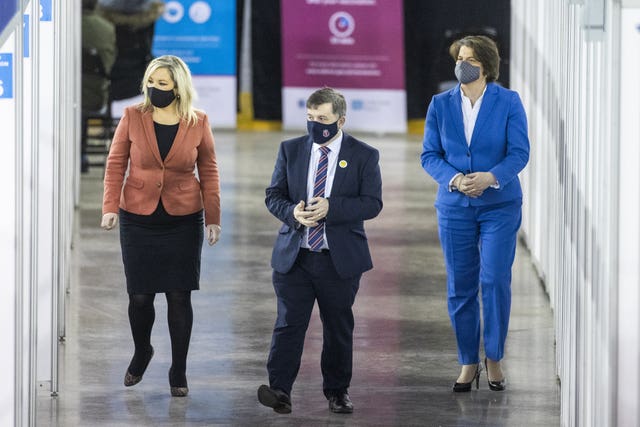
{"points": [[342, 164]]}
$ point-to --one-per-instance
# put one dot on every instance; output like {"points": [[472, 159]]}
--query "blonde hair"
{"points": [[181, 76]]}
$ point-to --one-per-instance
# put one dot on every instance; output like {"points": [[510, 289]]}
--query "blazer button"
{"points": [[159, 184], [468, 154]]}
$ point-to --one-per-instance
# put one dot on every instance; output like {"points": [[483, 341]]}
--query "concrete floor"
{"points": [[404, 355]]}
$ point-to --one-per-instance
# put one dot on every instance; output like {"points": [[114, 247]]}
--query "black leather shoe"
{"points": [[498, 385], [274, 398], [495, 385], [465, 387], [340, 403], [130, 379]]}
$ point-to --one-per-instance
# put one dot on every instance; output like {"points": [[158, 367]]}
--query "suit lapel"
{"points": [[488, 102], [150, 133], [455, 109], [345, 154], [177, 142], [303, 169]]}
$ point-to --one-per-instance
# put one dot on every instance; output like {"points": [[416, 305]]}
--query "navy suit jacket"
{"points": [[356, 195], [499, 144]]}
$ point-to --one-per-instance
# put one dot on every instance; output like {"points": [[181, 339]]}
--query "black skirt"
{"points": [[161, 252]]}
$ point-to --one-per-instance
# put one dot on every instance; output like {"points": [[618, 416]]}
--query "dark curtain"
{"points": [[239, 27], [266, 58], [430, 27]]}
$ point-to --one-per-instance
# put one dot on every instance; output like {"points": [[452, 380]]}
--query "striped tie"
{"points": [[316, 234]]}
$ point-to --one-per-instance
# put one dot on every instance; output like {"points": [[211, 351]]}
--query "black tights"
{"points": [[180, 318]]}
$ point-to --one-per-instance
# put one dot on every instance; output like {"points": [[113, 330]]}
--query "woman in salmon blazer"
{"points": [[167, 148], [475, 144]]}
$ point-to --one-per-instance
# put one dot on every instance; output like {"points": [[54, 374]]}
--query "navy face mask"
{"points": [[320, 132], [467, 73], [160, 98]]}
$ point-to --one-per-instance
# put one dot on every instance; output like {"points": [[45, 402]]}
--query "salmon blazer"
{"points": [[183, 192]]}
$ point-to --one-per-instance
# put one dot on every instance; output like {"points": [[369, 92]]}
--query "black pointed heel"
{"points": [[130, 379], [465, 387], [180, 390], [495, 385]]}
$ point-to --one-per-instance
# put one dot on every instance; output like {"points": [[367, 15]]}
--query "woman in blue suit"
{"points": [[475, 144]]}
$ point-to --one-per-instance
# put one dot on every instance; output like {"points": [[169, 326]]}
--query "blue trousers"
{"points": [[313, 277], [479, 246]]}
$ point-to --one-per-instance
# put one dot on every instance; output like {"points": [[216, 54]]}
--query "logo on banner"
{"points": [[25, 37], [200, 12], [45, 10], [6, 75], [341, 25], [173, 12]]}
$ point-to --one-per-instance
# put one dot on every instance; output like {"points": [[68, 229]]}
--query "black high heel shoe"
{"points": [[464, 387], [495, 385], [178, 390], [130, 379]]}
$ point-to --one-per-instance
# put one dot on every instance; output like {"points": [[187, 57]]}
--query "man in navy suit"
{"points": [[324, 185]]}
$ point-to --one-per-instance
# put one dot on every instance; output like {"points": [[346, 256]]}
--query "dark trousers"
{"points": [[313, 277]]}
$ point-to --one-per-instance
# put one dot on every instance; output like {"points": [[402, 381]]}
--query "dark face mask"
{"points": [[322, 133], [467, 73], [160, 98]]}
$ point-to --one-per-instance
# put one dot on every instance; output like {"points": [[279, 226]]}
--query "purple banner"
{"points": [[343, 43]]}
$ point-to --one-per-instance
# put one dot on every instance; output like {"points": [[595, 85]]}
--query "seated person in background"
{"points": [[134, 21], [98, 56]]}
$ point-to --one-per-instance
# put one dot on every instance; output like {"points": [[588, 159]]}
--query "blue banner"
{"points": [[6, 75], [7, 11], [202, 33]]}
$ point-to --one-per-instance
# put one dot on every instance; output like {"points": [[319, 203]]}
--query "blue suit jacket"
{"points": [[356, 195], [499, 144]]}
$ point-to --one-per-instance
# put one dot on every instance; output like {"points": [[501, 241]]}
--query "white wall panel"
{"points": [[46, 261], [629, 222], [566, 62], [8, 312], [40, 125], [581, 214]]}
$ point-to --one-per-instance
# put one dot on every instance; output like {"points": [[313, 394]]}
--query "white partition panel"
{"points": [[581, 215], [629, 214], [8, 261], [43, 107], [39, 94]]}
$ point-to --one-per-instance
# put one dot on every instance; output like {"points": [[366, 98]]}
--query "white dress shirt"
{"points": [[334, 148], [470, 114]]}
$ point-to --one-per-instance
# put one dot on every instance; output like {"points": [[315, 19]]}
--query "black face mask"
{"points": [[321, 133], [160, 98]]}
